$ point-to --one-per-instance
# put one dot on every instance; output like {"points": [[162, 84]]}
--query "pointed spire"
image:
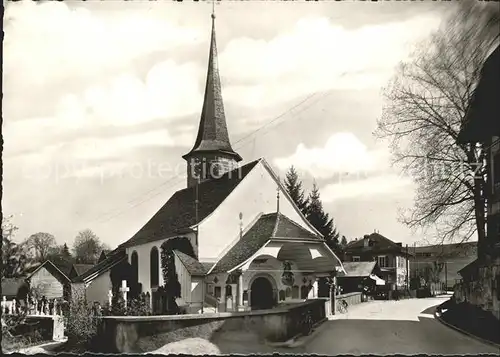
{"points": [[212, 133]]}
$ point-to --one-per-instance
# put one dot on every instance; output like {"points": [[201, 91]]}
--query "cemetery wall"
{"points": [[126, 334]]}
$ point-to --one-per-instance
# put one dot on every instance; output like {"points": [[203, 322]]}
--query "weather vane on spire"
{"points": [[213, 9]]}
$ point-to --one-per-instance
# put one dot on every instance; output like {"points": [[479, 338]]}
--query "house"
{"points": [[103, 255], [360, 275], [52, 280], [448, 259], [245, 243], [481, 278], [96, 282], [79, 269], [391, 257]]}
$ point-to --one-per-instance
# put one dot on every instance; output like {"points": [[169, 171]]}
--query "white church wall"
{"points": [[98, 289], [143, 254], [196, 289], [254, 195], [184, 279]]}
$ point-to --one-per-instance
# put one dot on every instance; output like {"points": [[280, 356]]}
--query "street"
{"points": [[388, 327]]}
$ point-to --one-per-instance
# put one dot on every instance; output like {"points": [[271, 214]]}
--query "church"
{"points": [[251, 246]]}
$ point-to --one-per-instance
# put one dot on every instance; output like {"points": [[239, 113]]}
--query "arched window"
{"points": [[229, 290], [134, 261], [154, 267]]}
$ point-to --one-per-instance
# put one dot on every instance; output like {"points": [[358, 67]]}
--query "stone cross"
{"points": [[110, 297], [124, 289]]}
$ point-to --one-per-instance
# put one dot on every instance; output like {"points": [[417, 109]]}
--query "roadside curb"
{"points": [[299, 340], [458, 329]]}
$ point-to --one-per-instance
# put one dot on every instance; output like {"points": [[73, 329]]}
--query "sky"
{"points": [[101, 100]]}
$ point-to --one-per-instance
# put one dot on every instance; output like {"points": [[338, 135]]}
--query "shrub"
{"points": [[135, 307], [81, 323]]}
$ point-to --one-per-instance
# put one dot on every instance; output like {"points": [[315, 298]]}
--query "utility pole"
{"points": [[446, 276], [407, 270]]}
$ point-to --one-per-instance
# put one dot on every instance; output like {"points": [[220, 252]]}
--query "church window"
{"points": [[282, 295], [218, 292], [134, 262], [154, 265], [210, 289], [295, 292], [288, 292], [304, 291], [229, 290]]}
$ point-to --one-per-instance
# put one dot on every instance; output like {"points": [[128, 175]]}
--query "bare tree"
{"points": [[87, 247], [426, 103], [42, 244]]}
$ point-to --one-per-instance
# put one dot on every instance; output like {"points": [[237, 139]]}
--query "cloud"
{"points": [[52, 41], [342, 154], [169, 90], [318, 55], [388, 184]]}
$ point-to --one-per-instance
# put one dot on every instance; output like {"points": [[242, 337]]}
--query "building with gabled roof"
{"points": [[242, 225], [51, 279], [481, 278], [392, 258]]}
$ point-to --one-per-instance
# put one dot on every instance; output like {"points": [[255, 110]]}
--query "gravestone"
{"points": [[124, 290]]}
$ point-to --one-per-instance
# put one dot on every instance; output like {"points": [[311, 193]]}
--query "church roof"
{"points": [[179, 214], [268, 226], [113, 258], [212, 132], [193, 266], [82, 268]]}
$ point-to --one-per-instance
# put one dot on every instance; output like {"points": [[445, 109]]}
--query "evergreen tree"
{"points": [[65, 251], [343, 242], [294, 188], [321, 220]]}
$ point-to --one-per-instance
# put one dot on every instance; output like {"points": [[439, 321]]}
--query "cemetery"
{"points": [[128, 326]]}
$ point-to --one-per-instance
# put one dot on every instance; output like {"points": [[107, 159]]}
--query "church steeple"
{"points": [[212, 154]]}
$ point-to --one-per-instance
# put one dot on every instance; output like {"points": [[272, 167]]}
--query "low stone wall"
{"points": [[350, 298], [50, 327], [118, 334]]}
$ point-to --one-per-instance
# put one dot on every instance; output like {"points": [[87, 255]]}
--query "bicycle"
{"points": [[306, 323], [342, 306]]}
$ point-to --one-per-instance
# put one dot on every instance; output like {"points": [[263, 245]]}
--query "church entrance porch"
{"points": [[262, 294]]}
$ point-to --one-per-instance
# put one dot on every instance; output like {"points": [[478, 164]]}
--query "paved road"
{"points": [[389, 327]]}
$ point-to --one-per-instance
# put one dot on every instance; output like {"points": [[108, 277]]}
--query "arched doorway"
{"points": [[261, 296]]}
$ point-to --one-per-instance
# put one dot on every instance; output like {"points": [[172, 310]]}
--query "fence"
{"points": [[37, 307]]}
